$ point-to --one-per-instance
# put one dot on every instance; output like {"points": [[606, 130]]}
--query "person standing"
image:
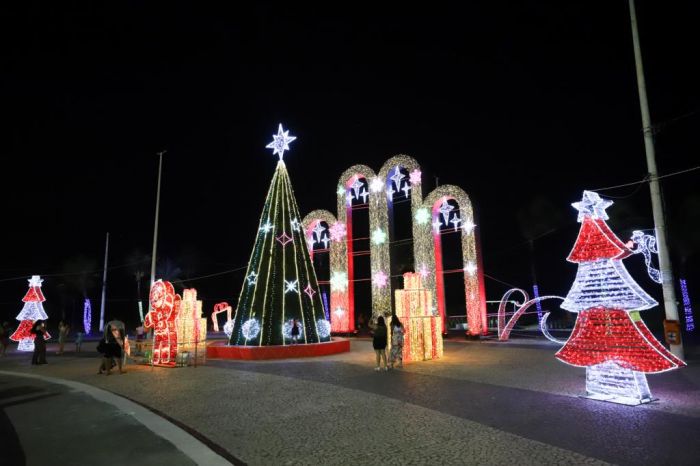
{"points": [[396, 342], [63, 329], [39, 331], [295, 331], [5, 332], [78, 341], [379, 342]]}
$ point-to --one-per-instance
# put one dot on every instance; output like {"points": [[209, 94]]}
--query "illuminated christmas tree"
{"points": [[280, 287], [609, 338], [32, 311]]}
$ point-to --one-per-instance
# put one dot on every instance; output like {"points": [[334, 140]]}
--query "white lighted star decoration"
{"points": [[376, 185], [35, 281], [295, 224], [422, 216], [445, 210], [339, 281], [378, 236], [397, 177], [280, 142], [252, 278], [468, 226], [456, 221], [291, 286], [318, 232], [266, 227], [592, 204], [470, 268]]}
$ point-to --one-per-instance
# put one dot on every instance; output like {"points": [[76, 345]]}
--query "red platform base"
{"points": [[220, 350]]}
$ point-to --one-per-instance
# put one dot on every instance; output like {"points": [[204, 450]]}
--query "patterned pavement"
{"points": [[483, 403]]}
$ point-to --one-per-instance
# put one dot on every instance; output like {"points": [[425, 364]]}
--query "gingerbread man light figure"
{"points": [[165, 305]]}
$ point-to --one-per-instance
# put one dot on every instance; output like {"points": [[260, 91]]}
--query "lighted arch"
{"points": [[345, 261], [338, 298], [429, 256], [380, 253]]}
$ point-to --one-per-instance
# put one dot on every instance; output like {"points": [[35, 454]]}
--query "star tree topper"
{"points": [[280, 142]]}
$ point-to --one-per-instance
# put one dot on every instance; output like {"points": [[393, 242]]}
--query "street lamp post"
{"points": [[669, 292]]}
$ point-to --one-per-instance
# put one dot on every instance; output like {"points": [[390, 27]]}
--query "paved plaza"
{"points": [[483, 403]]}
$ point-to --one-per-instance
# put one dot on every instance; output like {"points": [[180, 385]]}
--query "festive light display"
{"points": [[294, 223], [280, 142], [609, 337], [392, 179], [378, 236], [504, 328], [191, 328], [324, 328], [422, 329], [309, 291], [87, 316], [250, 329], [228, 329], [688, 310], [218, 309], [646, 245], [538, 304], [422, 216], [428, 250], [32, 311], [252, 278], [165, 305], [380, 279], [280, 265]]}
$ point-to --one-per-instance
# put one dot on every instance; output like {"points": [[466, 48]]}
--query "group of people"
{"points": [[380, 340]]}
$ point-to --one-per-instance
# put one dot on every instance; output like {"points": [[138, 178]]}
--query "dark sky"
{"points": [[522, 104]]}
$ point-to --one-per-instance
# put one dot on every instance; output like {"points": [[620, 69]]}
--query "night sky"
{"points": [[523, 105]]}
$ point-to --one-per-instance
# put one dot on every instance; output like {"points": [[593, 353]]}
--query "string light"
{"points": [[87, 316], [324, 328], [688, 310], [250, 329]]}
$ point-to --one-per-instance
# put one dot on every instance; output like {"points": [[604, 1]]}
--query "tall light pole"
{"points": [[155, 226], [104, 286], [656, 203]]}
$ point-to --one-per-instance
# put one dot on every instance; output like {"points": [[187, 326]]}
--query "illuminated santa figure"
{"points": [[165, 305], [32, 311], [609, 338]]}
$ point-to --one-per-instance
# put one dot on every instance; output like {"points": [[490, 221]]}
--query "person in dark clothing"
{"points": [[295, 331], [111, 349], [5, 332], [39, 355], [379, 342]]}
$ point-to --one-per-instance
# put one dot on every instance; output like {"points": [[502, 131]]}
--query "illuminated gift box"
{"points": [[191, 326], [422, 329]]}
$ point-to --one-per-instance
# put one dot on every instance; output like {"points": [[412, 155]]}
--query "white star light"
{"points": [[339, 281], [592, 204], [340, 190], [376, 185], [267, 226], [355, 186], [252, 278], [397, 177], [295, 224], [456, 221], [422, 216], [280, 142], [378, 236], [35, 281], [445, 210], [470, 268], [468, 226], [406, 189], [291, 286], [325, 242], [318, 231], [436, 226], [363, 195]]}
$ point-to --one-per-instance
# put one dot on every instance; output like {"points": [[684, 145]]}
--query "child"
{"points": [[396, 342], [295, 331]]}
